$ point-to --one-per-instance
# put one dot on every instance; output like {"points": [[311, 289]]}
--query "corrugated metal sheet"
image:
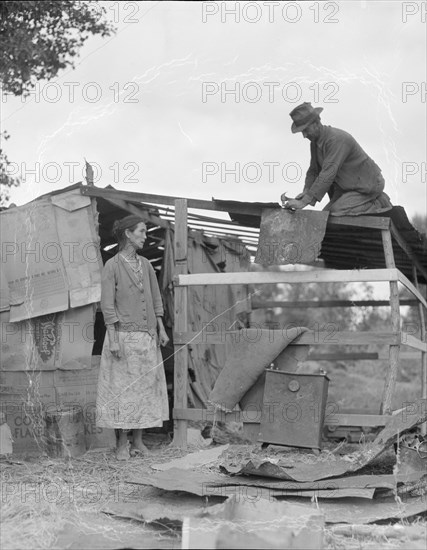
{"points": [[355, 247]]}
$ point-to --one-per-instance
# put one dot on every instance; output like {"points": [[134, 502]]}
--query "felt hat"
{"points": [[303, 115]]}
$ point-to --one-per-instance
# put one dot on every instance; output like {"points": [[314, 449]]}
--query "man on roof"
{"points": [[339, 167]]}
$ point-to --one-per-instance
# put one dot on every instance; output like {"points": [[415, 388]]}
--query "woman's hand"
{"points": [[163, 337], [115, 350], [113, 341]]}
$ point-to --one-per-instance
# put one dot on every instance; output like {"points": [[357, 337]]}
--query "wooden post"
{"points": [[423, 353], [395, 323], [180, 321]]}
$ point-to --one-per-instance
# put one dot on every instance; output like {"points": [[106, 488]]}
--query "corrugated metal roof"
{"points": [[348, 246], [349, 242]]}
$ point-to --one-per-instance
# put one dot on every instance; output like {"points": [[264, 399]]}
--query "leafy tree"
{"points": [[6, 180], [37, 40]]}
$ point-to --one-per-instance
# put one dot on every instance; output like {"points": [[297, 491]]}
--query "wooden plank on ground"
{"points": [[290, 277]]}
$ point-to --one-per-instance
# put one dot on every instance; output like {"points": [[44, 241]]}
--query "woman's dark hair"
{"points": [[120, 226]]}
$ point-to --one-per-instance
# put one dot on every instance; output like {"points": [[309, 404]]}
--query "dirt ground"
{"points": [[63, 504], [58, 503]]}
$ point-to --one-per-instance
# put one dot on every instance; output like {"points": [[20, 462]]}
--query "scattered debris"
{"points": [[257, 524], [369, 511], [167, 510], [175, 479], [397, 531], [326, 464], [230, 432], [412, 454], [200, 458], [196, 439], [214, 484]]}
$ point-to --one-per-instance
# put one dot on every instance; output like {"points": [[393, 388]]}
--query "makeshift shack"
{"points": [[52, 331], [53, 249], [366, 248]]}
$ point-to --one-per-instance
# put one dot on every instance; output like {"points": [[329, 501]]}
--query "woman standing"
{"points": [[132, 392]]}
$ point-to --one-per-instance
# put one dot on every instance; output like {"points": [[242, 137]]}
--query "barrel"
{"points": [[65, 432]]}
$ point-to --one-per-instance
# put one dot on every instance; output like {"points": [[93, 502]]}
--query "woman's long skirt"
{"points": [[132, 391]]}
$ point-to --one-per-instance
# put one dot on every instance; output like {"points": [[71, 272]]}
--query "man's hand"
{"points": [[284, 198], [295, 204], [299, 202]]}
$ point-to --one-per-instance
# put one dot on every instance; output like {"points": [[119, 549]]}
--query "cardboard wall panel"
{"points": [[27, 396], [32, 261]]}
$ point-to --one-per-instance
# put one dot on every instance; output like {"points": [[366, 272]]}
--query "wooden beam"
{"points": [[199, 204], [360, 221], [341, 419], [289, 277], [391, 376], [403, 355], [264, 304], [423, 332], [223, 206], [407, 283], [216, 334], [180, 321], [413, 342], [342, 356]]}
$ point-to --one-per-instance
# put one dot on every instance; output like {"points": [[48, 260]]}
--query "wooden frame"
{"points": [[394, 339]]}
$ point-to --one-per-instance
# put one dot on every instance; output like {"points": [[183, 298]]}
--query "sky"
{"points": [[189, 99]]}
